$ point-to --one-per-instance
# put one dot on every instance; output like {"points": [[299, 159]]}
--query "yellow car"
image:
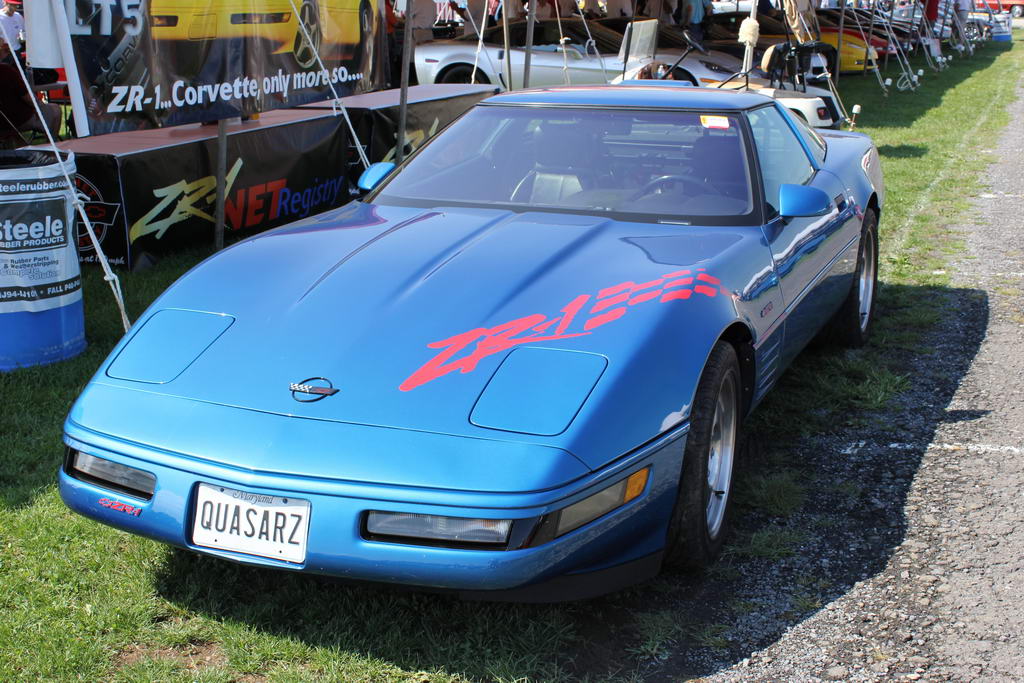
{"points": [[331, 24]]}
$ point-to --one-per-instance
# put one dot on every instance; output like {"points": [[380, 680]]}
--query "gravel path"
{"points": [[946, 599]]}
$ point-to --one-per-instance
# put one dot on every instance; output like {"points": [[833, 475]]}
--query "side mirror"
{"points": [[801, 200], [372, 176]]}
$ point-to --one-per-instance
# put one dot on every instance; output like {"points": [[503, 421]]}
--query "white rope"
{"points": [[479, 39], [562, 40], [108, 274], [480, 43], [336, 104], [593, 43]]}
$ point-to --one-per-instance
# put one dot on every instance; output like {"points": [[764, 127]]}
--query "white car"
{"points": [[582, 59]]}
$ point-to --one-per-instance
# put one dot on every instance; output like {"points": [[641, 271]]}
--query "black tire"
{"points": [[851, 325], [365, 35], [309, 16], [1017, 11], [697, 530], [462, 73]]}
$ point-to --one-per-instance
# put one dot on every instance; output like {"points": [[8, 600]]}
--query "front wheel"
{"points": [[1017, 11], [306, 50], [700, 518]]}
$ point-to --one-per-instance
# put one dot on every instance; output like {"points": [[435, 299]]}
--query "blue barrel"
{"points": [[41, 316]]}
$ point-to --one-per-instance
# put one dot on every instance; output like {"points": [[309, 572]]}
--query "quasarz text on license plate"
{"points": [[251, 523]]}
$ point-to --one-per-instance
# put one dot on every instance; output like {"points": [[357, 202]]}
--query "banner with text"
{"points": [[167, 62]]}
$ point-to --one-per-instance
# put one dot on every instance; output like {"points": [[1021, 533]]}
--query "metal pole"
{"points": [[222, 170], [403, 101], [531, 18], [67, 54], [839, 42], [871, 32], [629, 39], [508, 51], [748, 50]]}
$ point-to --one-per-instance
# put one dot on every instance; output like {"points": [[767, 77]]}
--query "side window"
{"points": [[782, 157], [814, 141]]}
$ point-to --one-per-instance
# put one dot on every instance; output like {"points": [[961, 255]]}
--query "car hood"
{"points": [[408, 313]]}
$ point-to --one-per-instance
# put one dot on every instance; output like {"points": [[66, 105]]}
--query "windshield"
{"points": [[679, 166]]}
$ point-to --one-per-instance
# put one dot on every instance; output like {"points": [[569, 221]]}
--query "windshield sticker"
{"points": [[719, 122], [464, 351]]}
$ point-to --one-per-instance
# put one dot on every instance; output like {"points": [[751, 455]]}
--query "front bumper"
{"points": [[619, 548]]}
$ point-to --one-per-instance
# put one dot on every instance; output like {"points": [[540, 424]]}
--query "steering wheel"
{"points": [[654, 185], [694, 44]]}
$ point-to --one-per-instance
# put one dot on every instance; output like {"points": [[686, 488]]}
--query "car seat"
{"points": [[563, 154]]}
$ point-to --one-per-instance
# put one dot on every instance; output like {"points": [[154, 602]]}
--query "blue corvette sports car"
{"points": [[517, 369]]}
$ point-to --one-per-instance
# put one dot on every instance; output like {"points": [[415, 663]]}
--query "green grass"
{"points": [[711, 635], [657, 633], [770, 543], [79, 601], [775, 493]]}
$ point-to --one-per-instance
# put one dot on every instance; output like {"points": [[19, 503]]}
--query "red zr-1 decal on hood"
{"points": [[610, 304]]}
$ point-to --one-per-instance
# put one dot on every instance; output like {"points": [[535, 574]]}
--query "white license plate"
{"points": [[251, 523]]}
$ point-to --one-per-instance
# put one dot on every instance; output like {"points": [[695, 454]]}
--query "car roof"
{"points": [[653, 96]]}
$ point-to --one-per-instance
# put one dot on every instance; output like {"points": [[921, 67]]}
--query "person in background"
{"points": [[394, 53], [800, 17], [548, 9], [691, 17], [657, 71], [423, 17], [16, 110], [620, 8], [963, 10], [474, 9], [591, 9], [12, 29]]}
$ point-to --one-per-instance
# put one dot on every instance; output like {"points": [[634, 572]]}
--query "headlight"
{"points": [[483, 534], [446, 530], [260, 18], [112, 475]]}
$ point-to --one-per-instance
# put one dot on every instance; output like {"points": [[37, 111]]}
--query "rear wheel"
{"points": [[365, 35], [851, 325], [306, 51], [462, 73], [1017, 11], [700, 518]]}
